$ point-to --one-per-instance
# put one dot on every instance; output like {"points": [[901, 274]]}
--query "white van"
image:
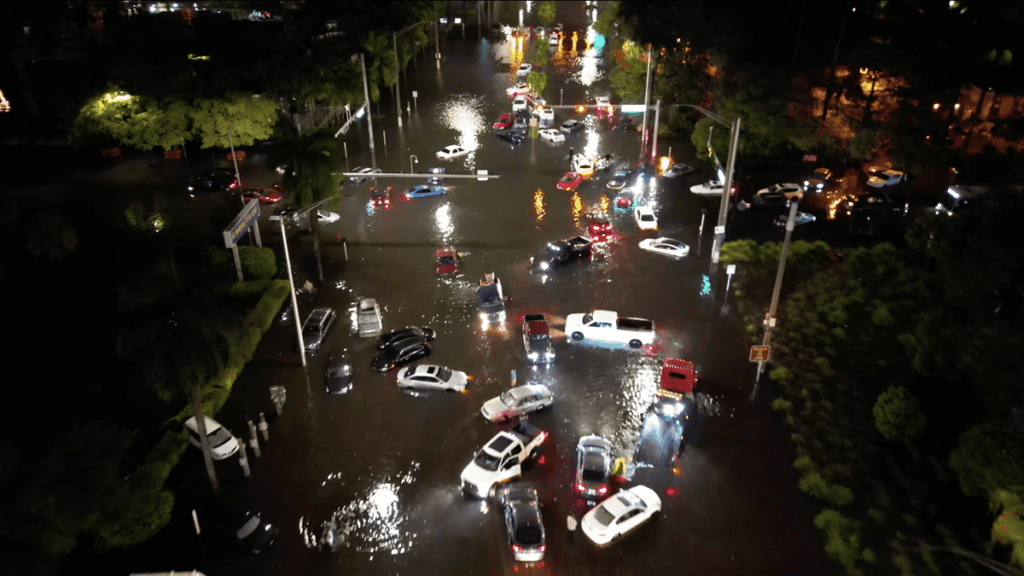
{"points": [[222, 443]]}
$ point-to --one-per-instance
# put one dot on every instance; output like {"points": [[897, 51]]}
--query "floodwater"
{"points": [[368, 482]]}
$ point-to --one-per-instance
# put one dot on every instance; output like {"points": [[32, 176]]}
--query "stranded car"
{"points": [[619, 179], [422, 332], [562, 253], [676, 170], [380, 197], [400, 352], [620, 514], [645, 219], [818, 179], [503, 121], [517, 401], [431, 377], [338, 375], [244, 528], [552, 135], [222, 443], [453, 151], [447, 261], [214, 181], [665, 246], [571, 126], [368, 318], [264, 195], [314, 331], [593, 467], [537, 339], [520, 89], [799, 219], [569, 181], [362, 174], [524, 69], [436, 175], [711, 187], [883, 178], [786, 190], [523, 522], [424, 191], [600, 229]]}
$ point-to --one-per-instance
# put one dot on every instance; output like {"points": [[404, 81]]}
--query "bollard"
{"points": [[513, 378], [344, 246], [243, 461], [264, 429], [255, 443]]}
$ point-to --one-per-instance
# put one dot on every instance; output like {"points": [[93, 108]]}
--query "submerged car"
{"points": [[677, 170], [645, 218], [787, 190], [338, 375], [600, 229], [552, 135], [665, 246], [223, 444], [569, 181], [399, 353], [593, 467], [314, 331], [368, 317], [424, 191], [263, 195], [447, 261], [380, 197], [517, 401], [449, 152], [422, 332], [523, 522], [818, 180], [431, 377], [243, 528], [215, 181], [620, 514]]}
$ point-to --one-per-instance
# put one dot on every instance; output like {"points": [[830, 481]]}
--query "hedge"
{"points": [[145, 507]]}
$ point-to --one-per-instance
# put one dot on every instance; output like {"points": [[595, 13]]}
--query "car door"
{"points": [[628, 521], [510, 468]]}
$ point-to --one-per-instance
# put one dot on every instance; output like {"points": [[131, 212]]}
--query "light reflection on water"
{"points": [[464, 113], [371, 523]]}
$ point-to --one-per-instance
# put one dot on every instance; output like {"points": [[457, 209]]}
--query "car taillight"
{"points": [[541, 548], [517, 548], [233, 185], [602, 489], [580, 487], [408, 196]]}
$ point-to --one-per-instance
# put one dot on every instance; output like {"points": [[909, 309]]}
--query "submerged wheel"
{"points": [[635, 344], [577, 335]]}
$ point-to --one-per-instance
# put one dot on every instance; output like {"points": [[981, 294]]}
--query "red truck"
{"points": [[674, 398]]}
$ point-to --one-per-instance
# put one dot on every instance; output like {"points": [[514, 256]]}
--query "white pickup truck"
{"points": [[501, 459], [608, 326]]}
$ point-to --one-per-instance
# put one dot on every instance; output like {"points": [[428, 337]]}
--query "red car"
{"points": [[570, 181], [264, 195], [600, 229], [380, 198], [504, 121], [447, 263]]}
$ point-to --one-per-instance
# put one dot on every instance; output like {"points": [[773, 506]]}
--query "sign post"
{"points": [[245, 219]]}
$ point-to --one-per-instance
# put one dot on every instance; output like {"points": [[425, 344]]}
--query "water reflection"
{"points": [[538, 204], [577, 208], [443, 223], [371, 523], [464, 113]]}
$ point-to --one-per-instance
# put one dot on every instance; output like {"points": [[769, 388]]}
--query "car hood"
{"points": [[473, 474], [381, 363]]}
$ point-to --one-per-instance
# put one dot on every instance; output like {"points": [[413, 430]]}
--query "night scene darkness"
{"points": [[587, 288]]}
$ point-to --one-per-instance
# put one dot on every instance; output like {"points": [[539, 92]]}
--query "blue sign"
{"points": [[242, 222]]}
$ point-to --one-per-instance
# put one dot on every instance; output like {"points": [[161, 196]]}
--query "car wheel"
{"points": [[635, 343], [577, 335], [541, 408], [450, 390]]}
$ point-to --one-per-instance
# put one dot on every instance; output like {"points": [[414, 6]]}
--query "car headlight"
{"points": [[544, 266], [549, 354], [533, 355]]}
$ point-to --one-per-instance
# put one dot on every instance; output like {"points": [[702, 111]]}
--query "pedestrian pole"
{"points": [[243, 460], [769, 318], [254, 441], [264, 429]]}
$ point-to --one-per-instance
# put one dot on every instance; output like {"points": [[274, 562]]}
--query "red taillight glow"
{"points": [[541, 548], [602, 489], [517, 548], [408, 196], [580, 487]]}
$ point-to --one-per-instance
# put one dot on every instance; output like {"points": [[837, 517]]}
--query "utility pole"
{"points": [[769, 319], [654, 145], [647, 104], [723, 208], [398, 90], [437, 43], [369, 118]]}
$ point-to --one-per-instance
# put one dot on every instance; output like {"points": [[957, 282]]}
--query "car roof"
{"points": [[406, 342], [445, 251], [537, 327], [429, 369], [319, 312], [211, 424]]}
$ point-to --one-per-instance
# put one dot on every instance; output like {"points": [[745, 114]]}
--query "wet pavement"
{"points": [[368, 482]]}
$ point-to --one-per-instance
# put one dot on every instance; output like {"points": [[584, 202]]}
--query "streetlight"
{"points": [[291, 283], [398, 92], [413, 158], [723, 208]]}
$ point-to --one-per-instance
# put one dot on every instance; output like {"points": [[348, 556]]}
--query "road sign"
{"points": [[810, 158], [760, 353], [730, 269], [719, 229], [481, 175]]}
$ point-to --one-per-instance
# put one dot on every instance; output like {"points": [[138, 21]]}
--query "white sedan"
{"points": [[645, 219], [453, 151], [665, 246], [520, 103], [788, 190], [519, 90], [583, 165], [431, 377], [552, 135], [544, 113], [620, 514], [710, 187], [323, 216], [517, 401], [524, 69]]}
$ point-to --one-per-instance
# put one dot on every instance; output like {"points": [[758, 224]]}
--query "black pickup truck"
{"points": [[562, 253]]}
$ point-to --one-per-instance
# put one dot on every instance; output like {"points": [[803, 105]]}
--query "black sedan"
{"points": [[215, 181], [512, 138], [399, 353], [338, 376], [593, 467], [244, 528], [423, 332], [523, 523]]}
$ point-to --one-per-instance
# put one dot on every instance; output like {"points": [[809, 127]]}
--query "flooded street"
{"points": [[368, 482]]}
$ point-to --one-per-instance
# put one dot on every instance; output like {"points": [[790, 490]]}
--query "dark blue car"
{"points": [[424, 190]]}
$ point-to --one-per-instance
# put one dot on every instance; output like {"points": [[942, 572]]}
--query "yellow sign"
{"points": [[760, 353]]}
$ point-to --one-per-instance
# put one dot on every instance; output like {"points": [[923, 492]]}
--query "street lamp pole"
{"points": [[411, 158], [291, 284], [723, 208], [769, 319], [369, 114], [437, 43], [398, 91], [647, 104]]}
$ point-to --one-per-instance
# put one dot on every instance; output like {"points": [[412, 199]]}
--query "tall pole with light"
{"points": [[238, 178], [369, 115], [398, 91], [291, 284]]}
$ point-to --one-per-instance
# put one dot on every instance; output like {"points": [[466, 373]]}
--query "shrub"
{"points": [[816, 486], [258, 263], [250, 291], [782, 405], [842, 543], [898, 415], [804, 464]]}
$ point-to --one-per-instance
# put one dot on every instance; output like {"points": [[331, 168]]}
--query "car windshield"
{"points": [[567, 178], [311, 331], [445, 374], [647, 217], [593, 475], [248, 528], [603, 516], [539, 337], [219, 437], [446, 260], [486, 461], [671, 243], [507, 398]]}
